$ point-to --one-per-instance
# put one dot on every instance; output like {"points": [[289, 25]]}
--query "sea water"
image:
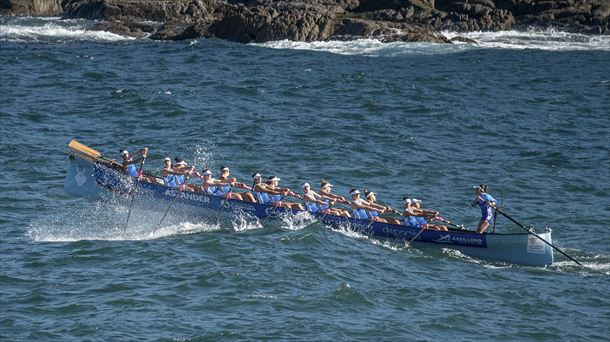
{"points": [[525, 112]]}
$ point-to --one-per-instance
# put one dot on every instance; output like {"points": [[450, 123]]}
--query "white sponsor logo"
{"points": [[535, 245], [444, 239], [187, 195], [80, 177]]}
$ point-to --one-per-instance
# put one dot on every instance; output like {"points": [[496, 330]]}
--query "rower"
{"points": [[180, 166], [181, 170], [360, 207], [314, 201], [371, 198], [260, 189], [487, 204], [222, 190], [276, 198], [129, 161], [416, 217], [212, 186], [168, 173], [326, 193]]}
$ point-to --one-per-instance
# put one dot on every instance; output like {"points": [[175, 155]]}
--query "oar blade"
{"points": [[82, 148]]}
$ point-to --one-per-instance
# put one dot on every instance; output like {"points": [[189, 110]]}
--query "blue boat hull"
{"points": [[91, 178]]}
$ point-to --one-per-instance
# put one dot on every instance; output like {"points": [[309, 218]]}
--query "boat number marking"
{"points": [[535, 245]]}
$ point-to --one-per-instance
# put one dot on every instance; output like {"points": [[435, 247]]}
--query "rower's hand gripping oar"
{"points": [[227, 197], [133, 194], [536, 235], [182, 187]]}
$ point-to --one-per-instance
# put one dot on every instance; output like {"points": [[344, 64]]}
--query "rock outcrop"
{"points": [[311, 20]]}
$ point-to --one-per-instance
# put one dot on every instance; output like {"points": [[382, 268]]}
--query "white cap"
{"points": [[225, 168], [305, 185], [182, 163], [407, 201], [167, 159], [370, 193], [273, 178], [256, 175], [124, 152], [355, 192], [324, 185], [207, 173], [415, 200]]}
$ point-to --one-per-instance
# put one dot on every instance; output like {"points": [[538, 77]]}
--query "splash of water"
{"points": [[203, 154]]}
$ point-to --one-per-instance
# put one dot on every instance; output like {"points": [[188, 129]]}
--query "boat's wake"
{"points": [[592, 264]]}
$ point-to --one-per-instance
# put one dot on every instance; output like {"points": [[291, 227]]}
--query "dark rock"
{"points": [[309, 20], [463, 40], [37, 8]]}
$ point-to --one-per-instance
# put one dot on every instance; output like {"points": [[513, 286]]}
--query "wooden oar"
{"points": [[223, 203], [450, 223], [91, 153], [538, 236], [182, 187], [133, 194], [415, 237], [74, 144]]}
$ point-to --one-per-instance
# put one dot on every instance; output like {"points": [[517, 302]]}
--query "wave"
{"points": [[52, 30], [536, 39], [549, 39], [366, 47]]}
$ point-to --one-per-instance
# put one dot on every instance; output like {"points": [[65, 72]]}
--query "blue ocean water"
{"points": [[526, 112]]}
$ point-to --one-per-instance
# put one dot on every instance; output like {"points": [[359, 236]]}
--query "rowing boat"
{"points": [[91, 175]]}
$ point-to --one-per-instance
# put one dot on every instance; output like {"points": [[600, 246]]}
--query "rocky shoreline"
{"points": [[315, 20]]}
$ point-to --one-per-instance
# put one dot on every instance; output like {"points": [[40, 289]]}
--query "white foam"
{"points": [[537, 39], [365, 47], [298, 221], [548, 39], [52, 31], [242, 222]]}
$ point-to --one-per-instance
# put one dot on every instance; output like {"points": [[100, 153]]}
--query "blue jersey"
{"points": [[412, 221], [169, 181], [222, 190], [360, 213], [312, 206], [132, 170], [262, 197], [324, 206], [486, 210]]}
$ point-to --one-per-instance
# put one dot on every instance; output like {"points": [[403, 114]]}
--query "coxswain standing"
{"points": [[487, 204]]}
